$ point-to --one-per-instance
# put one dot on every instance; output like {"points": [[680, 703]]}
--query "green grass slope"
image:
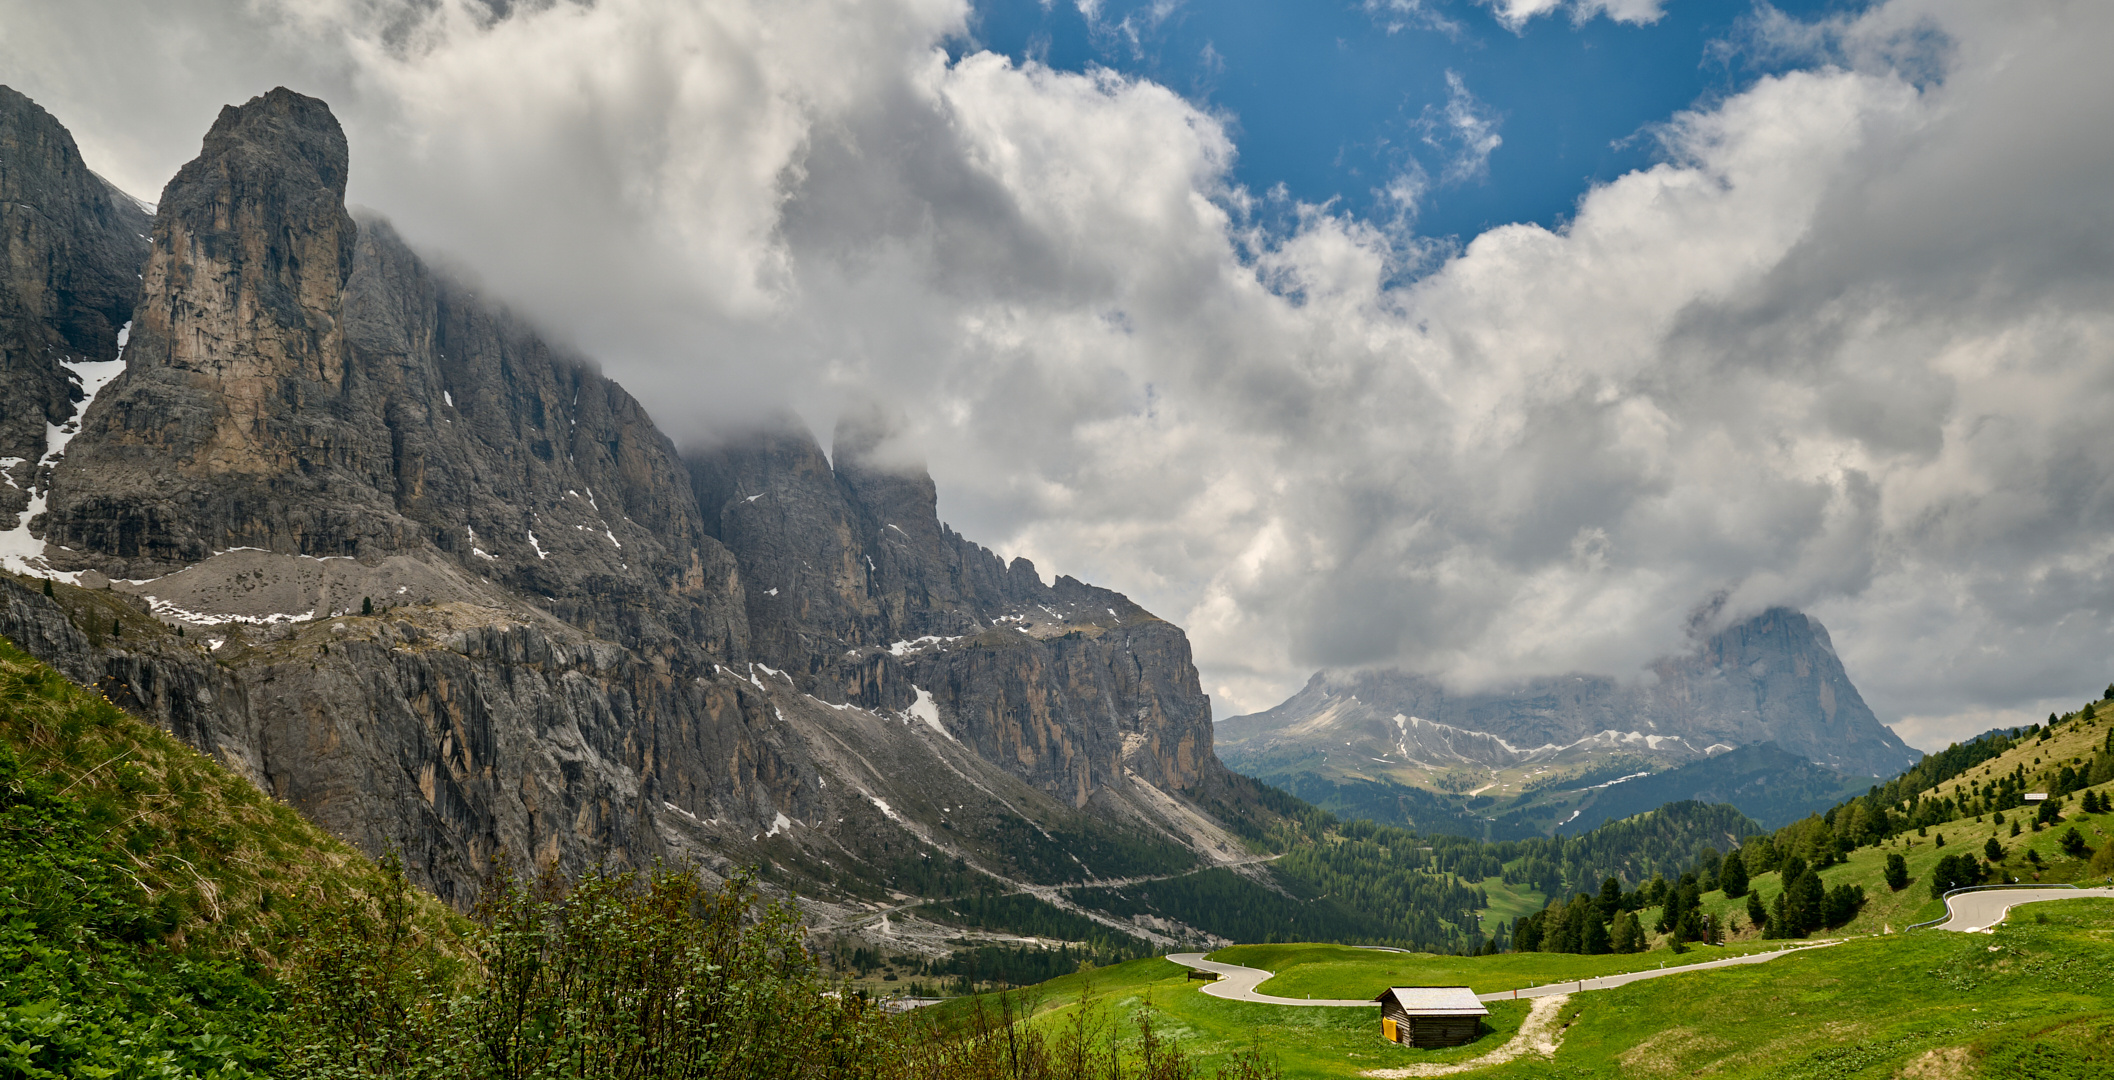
{"points": [[146, 893]]}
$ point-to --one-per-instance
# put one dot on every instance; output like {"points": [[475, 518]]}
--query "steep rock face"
{"points": [[856, 586], [304, 385], [564, 660], [1772, 678], [71, 248]]}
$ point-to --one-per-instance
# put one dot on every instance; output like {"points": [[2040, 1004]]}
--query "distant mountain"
{"points": [[1530, 756]]}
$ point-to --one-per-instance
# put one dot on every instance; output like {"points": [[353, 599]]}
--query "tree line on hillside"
{"points": [[1608, 922], [1306, 902], [1661, 843], [1909, 802]]}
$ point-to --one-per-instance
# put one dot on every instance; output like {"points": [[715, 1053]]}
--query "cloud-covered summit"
{"points": [[1846, 347]]}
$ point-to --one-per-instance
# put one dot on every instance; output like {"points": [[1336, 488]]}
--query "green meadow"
{"points": [[2028, 1000]]}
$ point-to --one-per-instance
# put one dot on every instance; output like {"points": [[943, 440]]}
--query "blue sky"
{"points": [[1335, 100]]}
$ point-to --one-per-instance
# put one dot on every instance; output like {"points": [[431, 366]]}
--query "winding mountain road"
{"points": [[1981, 910], [1238, 983]]}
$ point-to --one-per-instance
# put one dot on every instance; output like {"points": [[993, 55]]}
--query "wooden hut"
{"points": [[1430, 1016]]}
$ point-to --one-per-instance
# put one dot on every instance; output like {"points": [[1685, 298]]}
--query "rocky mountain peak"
{"points": [[380, 546], [1771, 678], [252, 250]]}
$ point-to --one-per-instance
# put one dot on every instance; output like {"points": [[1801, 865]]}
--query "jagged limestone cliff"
{"points": [[567, 659]]}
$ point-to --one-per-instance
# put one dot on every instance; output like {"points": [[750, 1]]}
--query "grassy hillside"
{"points": [[161, 918], [149, 894]]}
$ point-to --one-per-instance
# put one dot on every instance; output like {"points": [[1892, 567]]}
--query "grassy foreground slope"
{"points": [[147, 894], [223, 867]]}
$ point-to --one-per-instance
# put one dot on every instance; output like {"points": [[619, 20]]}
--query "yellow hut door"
{"points": [[1389, 1030]]}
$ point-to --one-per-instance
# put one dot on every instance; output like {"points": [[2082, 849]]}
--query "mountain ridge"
{"points": [[1524, 755], [365, 536]]}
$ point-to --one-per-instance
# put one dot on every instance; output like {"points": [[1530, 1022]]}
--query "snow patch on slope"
{"points": [[928, 710], [19, 551]]}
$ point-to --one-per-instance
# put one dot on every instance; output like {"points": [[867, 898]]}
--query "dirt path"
{"points": [[1538, 1034]]}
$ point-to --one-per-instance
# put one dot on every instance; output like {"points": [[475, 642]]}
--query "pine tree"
{"points": [[1694, 926], [1956, 872], [1526, 933], [1596, 941], [366, 605], [1732, 877], [1897, 870], [1610, 898], [1992, 850], [1629, 933], [1756, 912], [1804, 906]]}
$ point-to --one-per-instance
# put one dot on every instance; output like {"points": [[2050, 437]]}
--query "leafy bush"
{"points": [[614, 975]]}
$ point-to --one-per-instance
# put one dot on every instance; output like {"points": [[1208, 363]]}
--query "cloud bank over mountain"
{"points": [[1845, 348]]}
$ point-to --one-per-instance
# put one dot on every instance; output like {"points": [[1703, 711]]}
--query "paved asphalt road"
{"points": [[1970, 912], [1980, 910], [1237, 983]]}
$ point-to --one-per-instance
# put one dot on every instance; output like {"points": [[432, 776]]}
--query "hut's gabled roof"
{"points": [[1434, 1000]]}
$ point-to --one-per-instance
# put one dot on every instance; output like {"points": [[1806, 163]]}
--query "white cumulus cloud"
{"points": [[1846, 346]]}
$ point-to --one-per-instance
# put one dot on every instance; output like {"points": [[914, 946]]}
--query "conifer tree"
{"points": [[1732, 877], [1629, 933], [1610, 898], [1992, 850], [1897, 871], [2073, 843], [1756, 912]]}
